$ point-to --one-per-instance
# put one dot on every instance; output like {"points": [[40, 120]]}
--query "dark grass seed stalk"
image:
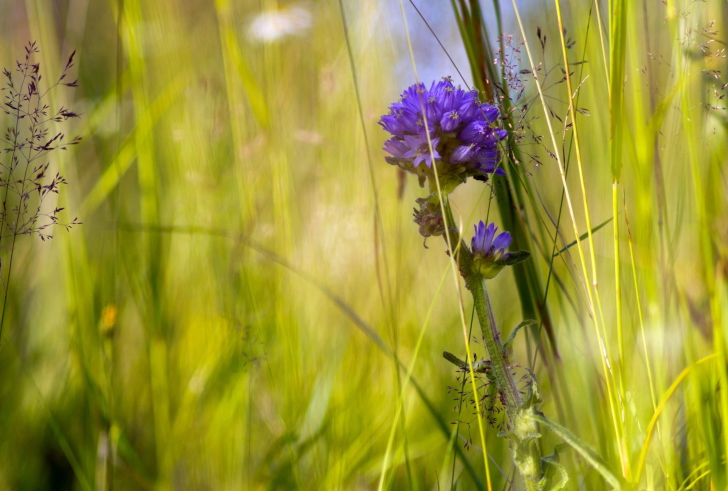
{"points": [[27, 181]]}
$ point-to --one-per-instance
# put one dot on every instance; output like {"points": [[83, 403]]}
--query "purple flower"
{"points": [[487, 162], [490, 250], [486, 244], [463, 153], [477, 132], [419, 149], [396, 147], [461, 129]]}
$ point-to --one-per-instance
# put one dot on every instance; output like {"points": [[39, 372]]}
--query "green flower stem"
{"points": [[523, 428], [498, 355]]}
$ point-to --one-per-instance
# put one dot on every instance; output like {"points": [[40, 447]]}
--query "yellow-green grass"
{"points": [[247, 297]]}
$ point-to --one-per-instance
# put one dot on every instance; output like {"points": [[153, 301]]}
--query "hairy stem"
{"points": [[500, 364]]}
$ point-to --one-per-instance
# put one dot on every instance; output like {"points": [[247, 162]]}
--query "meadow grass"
{"points": [[248, 305]]}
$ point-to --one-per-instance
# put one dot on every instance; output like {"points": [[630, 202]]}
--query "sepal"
{"points": [[555, 476], [513, 258], [486, 267]]}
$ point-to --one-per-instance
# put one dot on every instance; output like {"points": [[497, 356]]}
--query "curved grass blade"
{"points": [[653, 422], [613, 478]]}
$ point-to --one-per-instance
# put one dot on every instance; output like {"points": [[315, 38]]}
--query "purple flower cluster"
{"points": [[461, 129]]}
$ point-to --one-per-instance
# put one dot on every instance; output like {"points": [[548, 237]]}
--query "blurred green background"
{"points": [[214, 322]]}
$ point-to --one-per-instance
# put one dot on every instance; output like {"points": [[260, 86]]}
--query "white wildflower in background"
{"points": [[273, 25]]}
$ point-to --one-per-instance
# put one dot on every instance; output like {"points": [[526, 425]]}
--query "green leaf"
{"points": [[593, 458], [454, 360], [481, 366], [584, 236], [509, 341]]}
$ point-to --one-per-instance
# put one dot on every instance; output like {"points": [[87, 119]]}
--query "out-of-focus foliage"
{"points": [[227, 314]]}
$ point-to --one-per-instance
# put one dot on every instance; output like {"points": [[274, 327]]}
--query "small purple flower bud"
{"points": [[463, 153], [450, 121], [490, 112]]}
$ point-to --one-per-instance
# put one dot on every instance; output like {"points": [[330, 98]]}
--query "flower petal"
{"points": [[396, 147], [463, 153], [502, 242], [489, 112]]}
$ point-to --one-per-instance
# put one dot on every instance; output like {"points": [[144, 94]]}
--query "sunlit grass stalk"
{"points": [[597, 317], [471, 24], [149, 208], [617, 52], [714, 288], [602, 44], [405, 384], [640, 315], [617, 55]]}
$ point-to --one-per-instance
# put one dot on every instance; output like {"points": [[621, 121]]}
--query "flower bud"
{"points": [[429, 218]]}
